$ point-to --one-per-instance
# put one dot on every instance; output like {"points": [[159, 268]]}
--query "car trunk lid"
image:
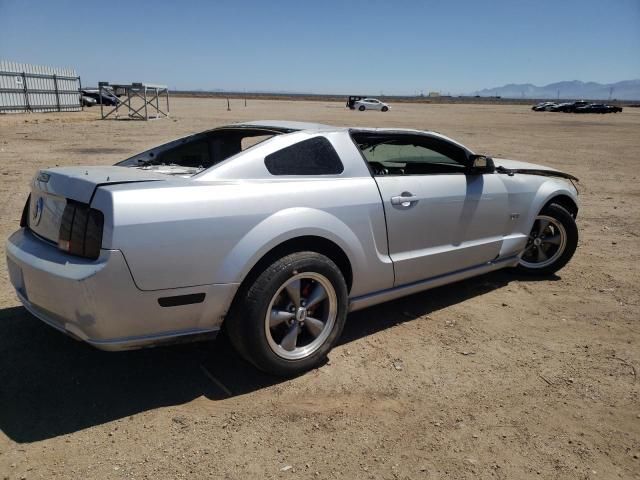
{"points": [[53, 189]]}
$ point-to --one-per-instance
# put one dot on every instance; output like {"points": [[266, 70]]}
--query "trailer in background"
{"points": [[134, 101]]}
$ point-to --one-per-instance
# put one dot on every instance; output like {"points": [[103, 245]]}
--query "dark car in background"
{"points": [[105, 97], [570, 106], [598, 108], [561, 107]]}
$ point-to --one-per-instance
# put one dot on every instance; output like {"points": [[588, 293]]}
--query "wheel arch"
{"points": [[549, 191], [302, 243], [565, 202], [311, 243]]}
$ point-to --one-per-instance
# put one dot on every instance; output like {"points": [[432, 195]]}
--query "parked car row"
{"points": [[599, 108], [575, 107]]}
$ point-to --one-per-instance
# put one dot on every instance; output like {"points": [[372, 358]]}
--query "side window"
{"points": [[412, 156], [315, 156]]}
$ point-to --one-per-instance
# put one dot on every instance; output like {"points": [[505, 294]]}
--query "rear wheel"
{"points": [[552, 242], [361, 108], [291, 315]]}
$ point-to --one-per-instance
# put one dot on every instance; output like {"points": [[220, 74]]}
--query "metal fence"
{"points": [[37, 88]]}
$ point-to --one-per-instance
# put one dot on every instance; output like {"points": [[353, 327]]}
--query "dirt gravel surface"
{"points": [[494, 377]]}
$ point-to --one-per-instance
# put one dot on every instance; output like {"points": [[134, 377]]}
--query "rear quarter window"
{"points": [[315, 156], [190, 154]]}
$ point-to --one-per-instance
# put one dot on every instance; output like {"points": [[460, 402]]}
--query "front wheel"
{"points": [[384, 109], [291, 315], [552, 242]]}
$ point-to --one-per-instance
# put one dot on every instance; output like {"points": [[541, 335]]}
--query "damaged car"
{"points": [[276, 231]]}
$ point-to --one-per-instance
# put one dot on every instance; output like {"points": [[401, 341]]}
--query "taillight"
{"points": [[24, 220], [81, 230]]}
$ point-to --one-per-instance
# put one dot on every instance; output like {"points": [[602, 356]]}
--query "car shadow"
{"points": [[52, 385]]}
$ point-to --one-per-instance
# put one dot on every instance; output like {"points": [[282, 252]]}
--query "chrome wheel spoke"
{"points": [[293, 290], [541, 255], [290, 339], [317, 295], [543, 224], [279, 316], [314, 326], [554, 239]]}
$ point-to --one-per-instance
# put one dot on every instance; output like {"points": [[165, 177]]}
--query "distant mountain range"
{"points": [[625, 90]]}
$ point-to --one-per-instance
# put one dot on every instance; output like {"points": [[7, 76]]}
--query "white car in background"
{"points": [[370, 104]]}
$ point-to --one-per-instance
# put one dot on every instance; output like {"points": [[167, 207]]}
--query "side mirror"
{"points": [[482, 164]]}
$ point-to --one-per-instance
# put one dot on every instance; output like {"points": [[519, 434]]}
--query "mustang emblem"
{"points": [[37, 211], [44, 177]]}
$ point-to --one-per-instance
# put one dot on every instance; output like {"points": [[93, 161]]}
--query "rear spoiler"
{"points": [[534, 171]]}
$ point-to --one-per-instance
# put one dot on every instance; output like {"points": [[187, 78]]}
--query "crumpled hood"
{"points": [[517, 164]]}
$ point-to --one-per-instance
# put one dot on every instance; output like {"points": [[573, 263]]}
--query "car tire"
{"points": [[384, 109], [361, 108], [271, 324], [552, 242]]}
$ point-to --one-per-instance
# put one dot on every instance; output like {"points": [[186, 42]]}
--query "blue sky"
{"points": [[390, 47]]}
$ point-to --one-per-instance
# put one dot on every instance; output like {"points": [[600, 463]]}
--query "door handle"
{"points": [[404, 200]]}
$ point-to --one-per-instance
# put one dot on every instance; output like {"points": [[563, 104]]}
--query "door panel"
{"points": [[449, 222]]}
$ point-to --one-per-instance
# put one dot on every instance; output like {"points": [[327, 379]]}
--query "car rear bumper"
{"points": [[99, 303]]}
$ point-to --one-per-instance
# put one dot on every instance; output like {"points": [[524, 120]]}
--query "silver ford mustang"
{"points": [[276, 230]]}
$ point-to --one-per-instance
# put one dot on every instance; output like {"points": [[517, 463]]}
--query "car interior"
{"points": [[203, 150], [389, 154]]}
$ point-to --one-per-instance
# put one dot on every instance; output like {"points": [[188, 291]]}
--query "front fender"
{"points": [[548, 190]]}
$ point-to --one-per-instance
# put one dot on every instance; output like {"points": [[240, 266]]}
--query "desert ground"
{"points": [[499, 376]]}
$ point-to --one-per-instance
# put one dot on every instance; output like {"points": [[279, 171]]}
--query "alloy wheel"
{"points": [[547, 241], [301, 315]]}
